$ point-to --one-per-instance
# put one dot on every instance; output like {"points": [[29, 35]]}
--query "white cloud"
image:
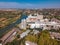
{"points": [[14, 5], [26, 5]]}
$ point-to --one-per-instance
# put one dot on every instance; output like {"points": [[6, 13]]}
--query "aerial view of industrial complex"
{"points": [[30, 22]]}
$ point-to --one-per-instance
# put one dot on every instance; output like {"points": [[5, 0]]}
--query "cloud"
{"points": [[14, 5], [8, 4], [27, 5]]}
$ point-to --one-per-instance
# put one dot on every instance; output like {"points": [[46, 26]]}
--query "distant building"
{"points": [[0, 44], [30, 43], [37, 21], [24, 34], [34, 18], [55, 35], [23, 24]]}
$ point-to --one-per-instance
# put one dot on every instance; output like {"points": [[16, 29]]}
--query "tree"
{"points": [[45, 39], [18, 36], [31, 38]]}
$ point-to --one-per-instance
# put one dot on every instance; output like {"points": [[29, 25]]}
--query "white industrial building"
{"points": [[30, 43], [37, 21], [22, 25]]}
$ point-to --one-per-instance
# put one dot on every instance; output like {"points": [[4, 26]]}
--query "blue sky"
{"points": [[29, 3]]}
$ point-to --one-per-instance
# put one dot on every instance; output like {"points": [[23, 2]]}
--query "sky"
{"points": [[29, 4]]}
